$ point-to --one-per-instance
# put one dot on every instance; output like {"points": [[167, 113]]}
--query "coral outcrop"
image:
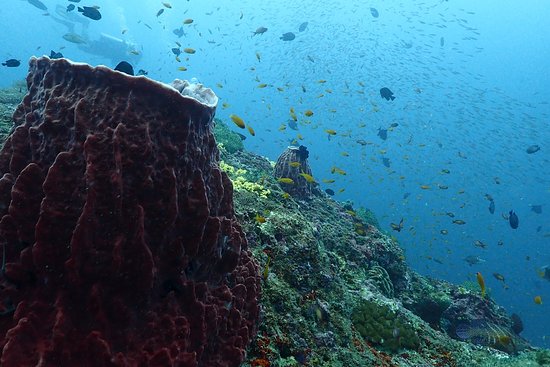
{"points": [[117, 227], [292, 165]]}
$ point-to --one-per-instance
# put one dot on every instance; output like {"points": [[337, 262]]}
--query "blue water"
{"points": [[472, 87]]}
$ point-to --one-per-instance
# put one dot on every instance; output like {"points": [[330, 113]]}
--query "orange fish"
{"points": [[481, 283]]}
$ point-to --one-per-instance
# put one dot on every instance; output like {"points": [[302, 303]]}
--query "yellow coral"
{"points": [[240, 183]]}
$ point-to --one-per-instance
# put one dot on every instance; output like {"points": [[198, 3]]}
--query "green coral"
{"points": [[382, 326], [9, 99], [226, 138], [241, 183], [380, 277]]}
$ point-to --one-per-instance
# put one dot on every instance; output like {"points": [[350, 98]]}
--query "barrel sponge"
{"points": [[120, 242], [291, 164]]}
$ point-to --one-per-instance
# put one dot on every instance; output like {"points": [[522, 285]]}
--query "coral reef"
{"points": [[316, 277], [120, 243], [293, 172], [9, 99], [226, 138]]}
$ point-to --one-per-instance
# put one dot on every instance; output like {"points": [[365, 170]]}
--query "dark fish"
{"points": [[536, 208], [397, 227], [292, 124], [55, 55], [330, 192], [259, 30], [70, 7], [442, 41], [179, 32], [74, 1], [406, 195], [383, 133], [12, 63], [303, 26], [532, 149], [288, 36], [517, 324], [514, 220], [38, 4], [394, 125], [387, 94], [142, 72], [374, 12], [492, 207], [386, 162], [125, 67], [90, 12], [484, 333], [160, 12], [176, 51], [473, 260]]}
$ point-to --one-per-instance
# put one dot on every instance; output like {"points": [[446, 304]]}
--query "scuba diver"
{"points": [[106, 46]]}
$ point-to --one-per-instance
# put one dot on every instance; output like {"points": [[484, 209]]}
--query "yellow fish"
{"points": [[262, 85], [251, 130], [294, 164], [182, 68], [538, 300], [481, 283], [330, 132], [226, 105], [286, 180], [237, 120], [286, 195], [425, 187], [308, 178], [259, 219], [189, 50], [328, 181], [340, 171], [308, 113], [188, 21], [168, 5]]}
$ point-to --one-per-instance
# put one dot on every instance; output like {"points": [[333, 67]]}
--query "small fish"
{"points": [[38, 4], [382, 133], [492, 207], [308, 113], [473, 260], [330, 192], [481, 283], [387, 94], [250, 130], [260, 219], [329, 181], [442, 41], [460, 222], [258, 56], [125, 67], [513, 219], [70, 7], [397, 227], [11, 63], [499, 277], [309, 178], [182, 68], [303, 27], [425, 187], [480, 244], [361, 142], [90, 12], [159, 13], [176, 51], [288, 36], [55, 55], [237, 120], [286, 180], [444, 232], [259, 30], [142, 72], [188, 21], [167, 5], [386, 162], [330, 131], [532, 149], [538, 300], [74, 38], [179, 32], [189, 50], [295, 164], [482, 332], [374, 12], [261, 85]]}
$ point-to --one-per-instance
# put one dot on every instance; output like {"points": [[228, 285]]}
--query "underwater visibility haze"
{"points": [[434, 115]]}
